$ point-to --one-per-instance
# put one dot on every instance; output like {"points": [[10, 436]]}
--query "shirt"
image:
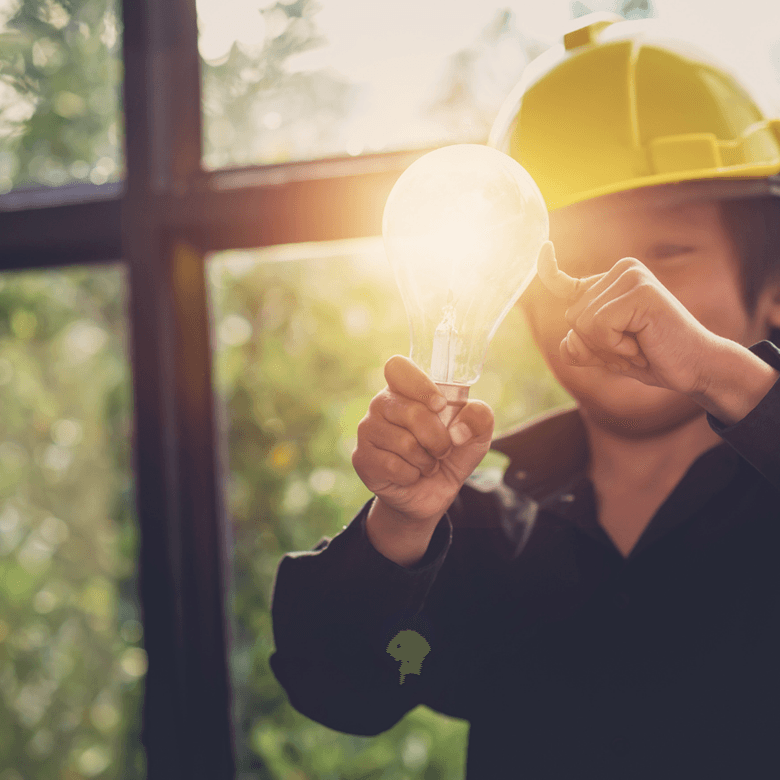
{"points": [[568, 659]]}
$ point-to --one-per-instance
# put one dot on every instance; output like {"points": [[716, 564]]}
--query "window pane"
{"points": [[303, 79], [71, 652], [60, 73], [302, 334]]}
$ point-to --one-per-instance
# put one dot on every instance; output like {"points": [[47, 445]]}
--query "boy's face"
{"points": [[687, 248]]}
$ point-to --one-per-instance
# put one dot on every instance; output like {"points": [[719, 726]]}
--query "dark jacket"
{"points": [[568, 659]]}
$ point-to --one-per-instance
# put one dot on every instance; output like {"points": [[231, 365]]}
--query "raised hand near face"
{"points": [[626, 321]]}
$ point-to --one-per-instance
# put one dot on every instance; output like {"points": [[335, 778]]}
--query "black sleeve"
{"points": [[334, 611], [339, 609], [757, 436]]}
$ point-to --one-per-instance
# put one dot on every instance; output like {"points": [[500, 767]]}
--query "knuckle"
{"points": [[440, 447], [583, 323], [360, 461], [400, 471], [627, 263], [637, 276], [407, 443], [418, 416], [378, 402], [364, 427], [645, 287]]}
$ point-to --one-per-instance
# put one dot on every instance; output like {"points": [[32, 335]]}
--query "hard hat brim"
{"points": [[672, 194]]}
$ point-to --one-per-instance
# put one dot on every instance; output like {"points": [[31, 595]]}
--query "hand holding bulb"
{"points": [[407, 456]]}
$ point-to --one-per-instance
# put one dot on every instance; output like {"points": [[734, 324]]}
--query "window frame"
{"points": [[159, 224]]}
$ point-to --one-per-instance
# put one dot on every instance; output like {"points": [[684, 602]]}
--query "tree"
{"points": [[628, 9], [480, 76], [59, 109]]}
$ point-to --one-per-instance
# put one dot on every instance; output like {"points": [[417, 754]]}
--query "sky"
{"points": [[398, 48], [370, 38], [365, 34]]}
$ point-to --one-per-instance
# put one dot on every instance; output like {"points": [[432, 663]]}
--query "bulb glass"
{"points": [[462, 228]]}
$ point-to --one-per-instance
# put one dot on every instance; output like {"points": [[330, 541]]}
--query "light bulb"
{"points": [[462, 228]]}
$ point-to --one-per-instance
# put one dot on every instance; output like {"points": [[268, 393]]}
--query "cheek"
{"points": [[721, 312], [710, 288]]}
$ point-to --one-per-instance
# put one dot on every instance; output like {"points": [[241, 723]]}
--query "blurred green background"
{"points": [[300, 335]]}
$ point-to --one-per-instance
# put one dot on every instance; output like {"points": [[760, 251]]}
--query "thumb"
{"points": [[471, 432], [559, 283]]}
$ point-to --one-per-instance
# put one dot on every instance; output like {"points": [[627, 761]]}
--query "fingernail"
{"points": [[460, 434], [572, 349]]}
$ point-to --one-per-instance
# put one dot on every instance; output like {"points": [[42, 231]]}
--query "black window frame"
{"points": [[160, 223]]}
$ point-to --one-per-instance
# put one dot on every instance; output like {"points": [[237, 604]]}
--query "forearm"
{"points": [[334, 610], [394, 537], [736, 381]]}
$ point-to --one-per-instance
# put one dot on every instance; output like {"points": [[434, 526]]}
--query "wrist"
{"points": [[398, 538], [734, 381]]}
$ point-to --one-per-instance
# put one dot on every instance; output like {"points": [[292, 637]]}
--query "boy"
{"points": [[612, 609]]}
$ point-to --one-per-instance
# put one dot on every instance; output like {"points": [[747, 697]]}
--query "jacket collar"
{"points": [[546, 453], [548, 460]]}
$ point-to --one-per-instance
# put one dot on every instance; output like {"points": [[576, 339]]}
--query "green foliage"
{"points": [[255, 107], [70, 637], [61, 116]]}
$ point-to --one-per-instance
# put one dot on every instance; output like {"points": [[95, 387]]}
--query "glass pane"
{"points": [[301, 334], [72, 661], [301, 79], [60, 74]]}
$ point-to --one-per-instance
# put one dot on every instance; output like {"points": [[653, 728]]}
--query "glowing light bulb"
{"points": [[462, 228]]}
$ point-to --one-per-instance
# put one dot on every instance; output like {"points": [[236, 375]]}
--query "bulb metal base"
{"points": [[456, 396]]}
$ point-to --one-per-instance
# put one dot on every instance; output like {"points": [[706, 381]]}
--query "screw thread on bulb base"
{"points": [[456, 396]]}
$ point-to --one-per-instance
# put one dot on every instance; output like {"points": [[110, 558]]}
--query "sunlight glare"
{"points": [[219, 28]]}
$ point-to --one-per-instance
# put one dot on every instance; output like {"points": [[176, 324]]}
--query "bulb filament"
{"points": [[445, 339]]}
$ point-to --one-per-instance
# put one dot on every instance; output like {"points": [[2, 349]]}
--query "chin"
{"points": [[626, 407]]}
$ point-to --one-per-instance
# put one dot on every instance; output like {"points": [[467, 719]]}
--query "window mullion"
{"points": [[187, 724]]}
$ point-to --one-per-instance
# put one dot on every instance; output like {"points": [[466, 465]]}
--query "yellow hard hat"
{"points": [[617, 107]]}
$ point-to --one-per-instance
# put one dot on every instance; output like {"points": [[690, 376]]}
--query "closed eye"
{"points": [[667, 251]]}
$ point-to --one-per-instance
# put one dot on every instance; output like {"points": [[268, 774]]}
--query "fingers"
{"points": [[405, 378], [403, 442], [400, 440], [414, 417], [380, 468], [575, 351], [609, 316]]}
